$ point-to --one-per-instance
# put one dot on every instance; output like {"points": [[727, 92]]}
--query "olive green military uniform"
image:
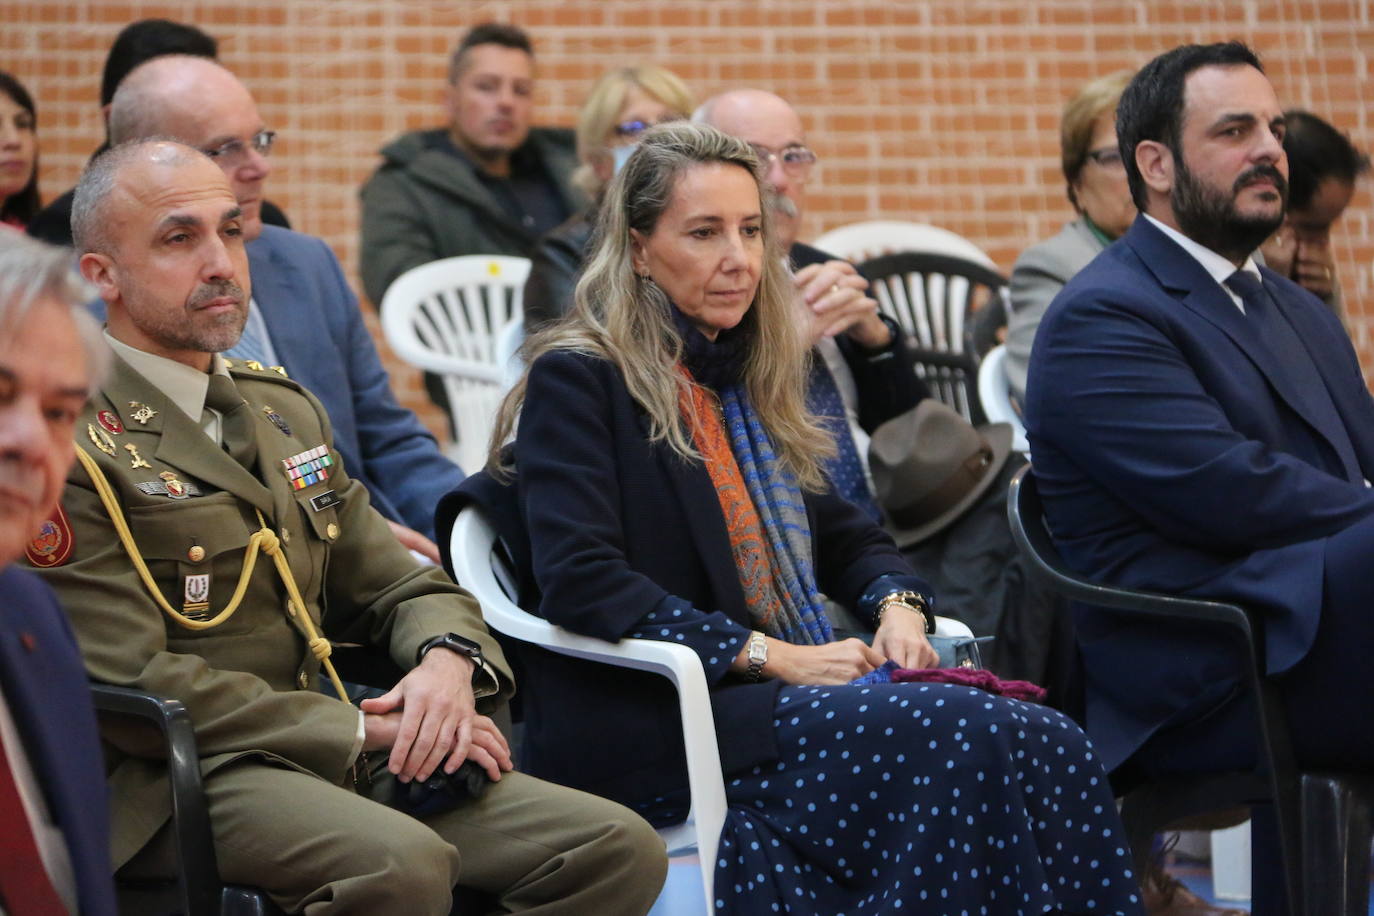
{"points": [[274, 751]]}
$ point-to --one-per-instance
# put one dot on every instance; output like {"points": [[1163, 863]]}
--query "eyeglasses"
{"points": [[796, 160], [1108, 157], [637, 127], [235, 151]]}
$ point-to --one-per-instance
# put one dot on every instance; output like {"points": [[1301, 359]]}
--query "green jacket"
{"points": [[248, 683], [423, 204]]}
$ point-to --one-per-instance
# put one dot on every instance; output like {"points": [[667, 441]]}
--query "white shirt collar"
{"points": [[1218, 267]]}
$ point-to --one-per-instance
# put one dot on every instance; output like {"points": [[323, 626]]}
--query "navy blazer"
{"points": [[50, 699], [1175, 453], [318, 332], [619, 527]]}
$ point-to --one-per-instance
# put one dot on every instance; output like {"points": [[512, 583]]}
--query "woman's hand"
{"points": [[902, 638], [831, 663]]}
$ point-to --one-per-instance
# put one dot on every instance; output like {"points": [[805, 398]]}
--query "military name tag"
{"points": [[325, 500]]}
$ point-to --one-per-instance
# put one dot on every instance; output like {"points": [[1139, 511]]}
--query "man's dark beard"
{"points": [[1209, 217]]}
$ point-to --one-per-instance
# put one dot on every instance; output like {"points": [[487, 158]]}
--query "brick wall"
{"points": [[943, 111]]}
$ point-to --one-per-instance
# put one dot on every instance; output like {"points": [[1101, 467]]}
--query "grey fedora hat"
{"points": [[930, 465]]}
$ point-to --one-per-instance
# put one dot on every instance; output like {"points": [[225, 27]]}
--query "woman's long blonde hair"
{"points": [[628, 321]]}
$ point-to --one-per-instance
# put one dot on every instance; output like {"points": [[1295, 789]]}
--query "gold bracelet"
{"points": [[912, 601]]}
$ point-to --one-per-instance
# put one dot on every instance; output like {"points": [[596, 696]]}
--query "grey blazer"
{"points": [[1038, 276]]}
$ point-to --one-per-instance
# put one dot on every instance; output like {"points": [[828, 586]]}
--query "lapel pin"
{"points": [[142, 412], [175, 488], [137, 461], [277, 421], [109, 420], [100, 439]]}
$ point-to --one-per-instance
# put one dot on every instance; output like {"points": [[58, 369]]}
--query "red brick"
{"points": [[939, 110]]}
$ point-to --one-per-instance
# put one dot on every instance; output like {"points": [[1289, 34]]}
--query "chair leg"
{"points": [[1336, 845]]}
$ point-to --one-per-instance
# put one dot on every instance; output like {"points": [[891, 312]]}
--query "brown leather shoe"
{"points": [[1165, 895]]}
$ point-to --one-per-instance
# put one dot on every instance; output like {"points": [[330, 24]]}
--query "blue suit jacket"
{"points": [[48, 695], [317, 329], [1174, 452]]}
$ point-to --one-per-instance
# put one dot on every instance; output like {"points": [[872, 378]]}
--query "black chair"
{"points": [[933, 298], [1323, 818], [197, 891]]}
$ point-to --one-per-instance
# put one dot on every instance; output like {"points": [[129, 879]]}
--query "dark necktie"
{"points": [[24, 886], [236, 420], [1295, 363], [845, 469]]}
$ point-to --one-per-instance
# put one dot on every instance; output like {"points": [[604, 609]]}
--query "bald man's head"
{"points": [[774, 129], [200, 103], [174, 276]]}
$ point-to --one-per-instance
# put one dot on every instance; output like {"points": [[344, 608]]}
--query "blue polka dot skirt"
{"points": [[928, 799]]}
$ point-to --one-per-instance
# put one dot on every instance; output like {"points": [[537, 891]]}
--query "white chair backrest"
{"points": [[508, 352], [475, 567], [478, 569], [447, 317], [995, 393], [861, 241]]}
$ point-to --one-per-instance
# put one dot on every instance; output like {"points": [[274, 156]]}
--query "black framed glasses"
{"points": [[1109, 157], [636, 127], [796, 160], [234, 151]]}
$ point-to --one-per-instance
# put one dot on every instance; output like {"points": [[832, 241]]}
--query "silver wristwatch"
{"points": [[758, 656]]}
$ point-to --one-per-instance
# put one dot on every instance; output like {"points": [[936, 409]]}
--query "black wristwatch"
{"points": [[452, 642]]}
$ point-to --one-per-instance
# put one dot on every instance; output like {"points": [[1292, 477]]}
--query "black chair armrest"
{"points": [[199, 877]]}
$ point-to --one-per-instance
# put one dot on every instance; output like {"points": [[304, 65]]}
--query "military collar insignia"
{"points": [[277, 421], [100, 439], [142, 412], [109, 421], [135, 458], [309, 466]]}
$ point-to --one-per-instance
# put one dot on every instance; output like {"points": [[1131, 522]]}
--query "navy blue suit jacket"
{"points": [[1174, 452], [50, 699], [619, 527], [317, 329]]}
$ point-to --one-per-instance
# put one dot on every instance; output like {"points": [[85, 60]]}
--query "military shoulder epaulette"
{"points": [[251, 369], [252, 365]]}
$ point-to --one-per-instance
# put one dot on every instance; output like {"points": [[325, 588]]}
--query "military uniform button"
{"points": [[332, 531], [285, 536], [196, 554], [303, 679]]}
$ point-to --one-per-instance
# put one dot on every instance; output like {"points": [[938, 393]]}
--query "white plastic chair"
{"points": [[861, 241], [508, 352], [479, 569], [994, 391], [446, 317]]}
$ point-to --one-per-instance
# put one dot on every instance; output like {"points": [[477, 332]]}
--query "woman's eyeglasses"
{"points": [[637, 127]]}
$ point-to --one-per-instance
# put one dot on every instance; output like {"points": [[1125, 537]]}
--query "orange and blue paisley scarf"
{"points": [[770, 536]]}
